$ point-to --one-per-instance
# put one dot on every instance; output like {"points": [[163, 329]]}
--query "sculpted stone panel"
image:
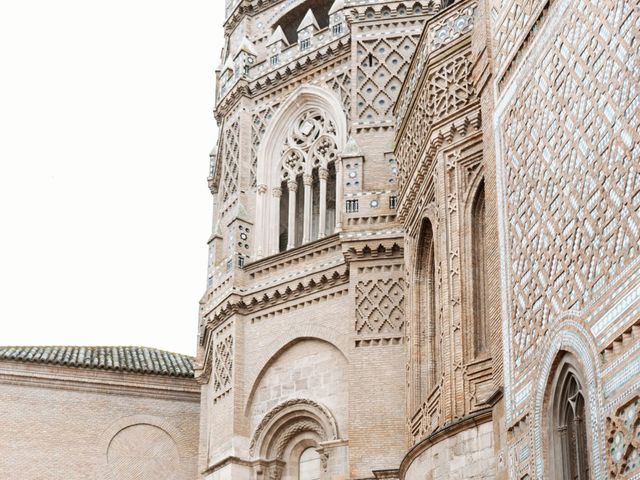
{"points": [[310, 143], [142, 452]]}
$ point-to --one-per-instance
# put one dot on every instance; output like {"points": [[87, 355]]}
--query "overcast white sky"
{"points": [[105, 129]]}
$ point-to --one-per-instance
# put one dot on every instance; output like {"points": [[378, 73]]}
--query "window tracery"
{"points": [[307, 174], [569, 447], [310, 143], [297, 192]]}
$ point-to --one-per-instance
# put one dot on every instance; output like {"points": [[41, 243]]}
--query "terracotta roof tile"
{"points": [[123, 359]]}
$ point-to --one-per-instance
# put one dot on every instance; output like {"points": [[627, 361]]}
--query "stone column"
{"points": [[273, 243], [323, 173], [339, 202], [308, 208], [292, 185], [261, 208]]}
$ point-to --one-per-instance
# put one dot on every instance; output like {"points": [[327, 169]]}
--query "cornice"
{"points": [[295, 254], [286, 73], [284, 292], [367, 249], [89, 380]]}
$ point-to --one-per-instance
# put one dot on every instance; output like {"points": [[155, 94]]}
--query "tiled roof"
{"points": [[123, 359]]}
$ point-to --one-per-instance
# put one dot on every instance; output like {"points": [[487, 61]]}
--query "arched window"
{"points": [[480, 341], [429, 330], [568, 448], [309, 465], [297, 194], [308, 180]]}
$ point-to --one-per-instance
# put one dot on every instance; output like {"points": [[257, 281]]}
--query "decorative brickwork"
{"points": [[341, 86], [569, 180], [515, 18], [623, 440], [595, 224], [380, 307], [129, 455], [439, 156], [447, 89], [259, 124], [230, 164], [223, 365], [383, 64]]}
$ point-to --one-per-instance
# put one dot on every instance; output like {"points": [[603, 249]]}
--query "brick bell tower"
{"points": [[302, 346]]}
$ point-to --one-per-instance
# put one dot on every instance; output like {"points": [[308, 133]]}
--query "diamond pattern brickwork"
{"points": [[259, 123], [341, 86], [515, 18], [380, 306], [231, 152], [382, 65], [223, 365], [571, 146]]}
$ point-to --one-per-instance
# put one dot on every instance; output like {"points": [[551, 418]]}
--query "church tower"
{"points": [[302, 347]]}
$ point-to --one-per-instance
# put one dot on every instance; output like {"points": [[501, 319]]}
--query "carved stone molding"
{"points": [[283, 422]]}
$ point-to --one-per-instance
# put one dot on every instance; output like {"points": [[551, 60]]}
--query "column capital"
{"points": [[292, 186], [262, 189], [323, 173], [307, 180], [277, 192]]}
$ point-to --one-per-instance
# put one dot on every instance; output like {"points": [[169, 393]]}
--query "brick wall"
{"points": [[60, 423]]}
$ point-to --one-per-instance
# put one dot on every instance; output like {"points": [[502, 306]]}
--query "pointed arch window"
{"points": [[308, 180], [478, 255], [428, 329], [299, 192], [568, 446]]}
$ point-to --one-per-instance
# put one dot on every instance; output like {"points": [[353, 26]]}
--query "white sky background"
{"points": [[105, 129]]}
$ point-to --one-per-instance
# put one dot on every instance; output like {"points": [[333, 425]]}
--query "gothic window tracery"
{"points": [[308, 179], [568, 447]]}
